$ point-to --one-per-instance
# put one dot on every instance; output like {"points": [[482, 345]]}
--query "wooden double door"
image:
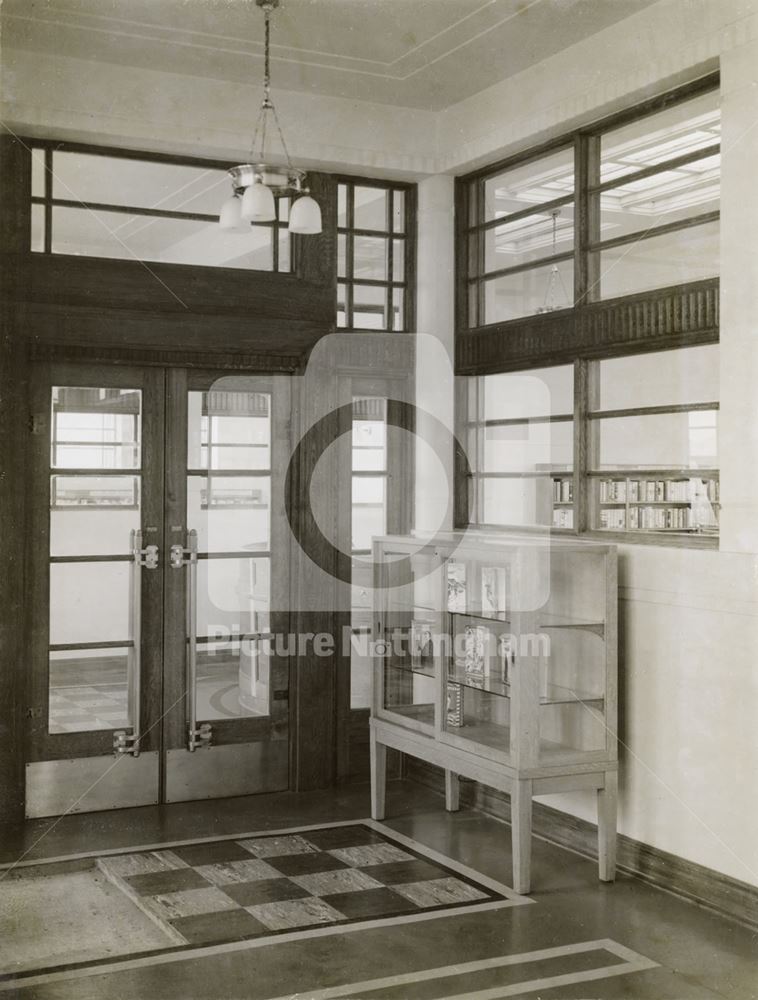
{"points": [[159, 565]]}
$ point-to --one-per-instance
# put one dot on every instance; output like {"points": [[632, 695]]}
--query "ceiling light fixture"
{"points": [[257, 184]]}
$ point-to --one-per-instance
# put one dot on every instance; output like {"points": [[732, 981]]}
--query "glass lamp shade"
{"points": [[258, 203], [305, 216], [230, 217]]}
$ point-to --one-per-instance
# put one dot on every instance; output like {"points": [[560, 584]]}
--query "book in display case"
{"points": [[495, 658]]}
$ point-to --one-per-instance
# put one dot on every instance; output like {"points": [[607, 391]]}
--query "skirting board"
{"points": [[724, 895]]}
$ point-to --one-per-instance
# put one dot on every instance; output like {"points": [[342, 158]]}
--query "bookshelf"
{"points": [[677, 501]]}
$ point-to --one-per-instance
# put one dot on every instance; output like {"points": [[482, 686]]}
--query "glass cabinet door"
{"points": [[477, 678], [409, 642]]}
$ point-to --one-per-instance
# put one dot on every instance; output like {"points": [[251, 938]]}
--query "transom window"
{"points": [[95, 204]]}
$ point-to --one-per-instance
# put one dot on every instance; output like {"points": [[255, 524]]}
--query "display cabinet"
{"points": [[495, 658]]}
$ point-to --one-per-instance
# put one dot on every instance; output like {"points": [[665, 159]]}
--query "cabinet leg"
{"points": [[452, 791], [607, 799], [378, 777], [521, 834]]}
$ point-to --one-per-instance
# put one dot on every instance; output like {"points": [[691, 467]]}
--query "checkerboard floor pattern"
{"points": [[229, 890]]}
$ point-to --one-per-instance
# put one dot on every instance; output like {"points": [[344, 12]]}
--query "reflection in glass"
{"points": [[233, 596], [37, 235], [526, 293], [95, 428], [532, 183], [229, 513], [528, 239], [88, 690], [229, 430], [369, 510], [677, 131], [93, 515], [233, 680], [370, 258]]}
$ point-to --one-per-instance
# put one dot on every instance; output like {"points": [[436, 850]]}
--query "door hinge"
{"points": [[125, 743], [200, 737]]}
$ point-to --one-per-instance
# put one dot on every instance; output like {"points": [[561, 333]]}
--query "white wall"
{"points": [[689, 618]]}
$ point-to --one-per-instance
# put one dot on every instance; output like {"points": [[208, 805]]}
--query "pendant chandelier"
{"points": [[257, 184]]}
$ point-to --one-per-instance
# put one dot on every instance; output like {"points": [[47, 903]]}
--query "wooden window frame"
{"points": [[407, 235]]}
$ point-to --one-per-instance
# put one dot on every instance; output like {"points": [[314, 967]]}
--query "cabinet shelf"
{"points": [[555, 694]]}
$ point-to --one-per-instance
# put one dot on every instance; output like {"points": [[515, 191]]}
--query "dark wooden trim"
{"points": [[679, 316], [524, 213], [702, 153], [640, 235], [648, 411], [722, 894], [528, 265]]}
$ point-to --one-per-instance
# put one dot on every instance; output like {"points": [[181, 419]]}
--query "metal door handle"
{"points": [[123, 741], [196, 736]]}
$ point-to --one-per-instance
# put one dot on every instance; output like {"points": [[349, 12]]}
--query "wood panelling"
{"points": [[666, 317]]}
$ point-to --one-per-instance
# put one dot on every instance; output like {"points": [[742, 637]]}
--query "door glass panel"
{"points": [[95, 428], [93, 515], [369, 510], [233, 669], [230, 513], [229, 430], [88, 690], [89, 602]]}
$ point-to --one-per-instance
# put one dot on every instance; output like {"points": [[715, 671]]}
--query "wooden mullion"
{"points": [[524, 213], [48, 182], [530, 265], [153, 213], [655, 168], [639, 236], [646, 411]]}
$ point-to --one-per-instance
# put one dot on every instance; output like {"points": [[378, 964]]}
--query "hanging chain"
{"points": [[549, 304], [267, 105]]}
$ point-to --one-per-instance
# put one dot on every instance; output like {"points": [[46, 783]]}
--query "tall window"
{"points": [[645, 197], [94, 204], [374, 250], [370, 481]]}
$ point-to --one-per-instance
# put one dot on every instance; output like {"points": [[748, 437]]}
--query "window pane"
{"points": [[369, 434], [37, 235], [540, 289], [341, 255], [233, 595], [229, 513], [665, 441], [684, 128], [89, 690], [531, 183], [661, 378], [285, 256], [370, 258], [175, 241], [398, 309], [398, 260], [371, 209], [517, 394], [658, 261], [89, 602], [517, 501], [528, 239], [229, 430], [93, 515], [38, 173], [341, 305], [342, 205], [528, 447], [369, 307], [671, 196], [369, 510], [398, 211], [112, 180], [95, 428]]}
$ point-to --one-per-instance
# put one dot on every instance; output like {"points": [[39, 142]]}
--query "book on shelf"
{"points": [[563, 490], [563, 518]]}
